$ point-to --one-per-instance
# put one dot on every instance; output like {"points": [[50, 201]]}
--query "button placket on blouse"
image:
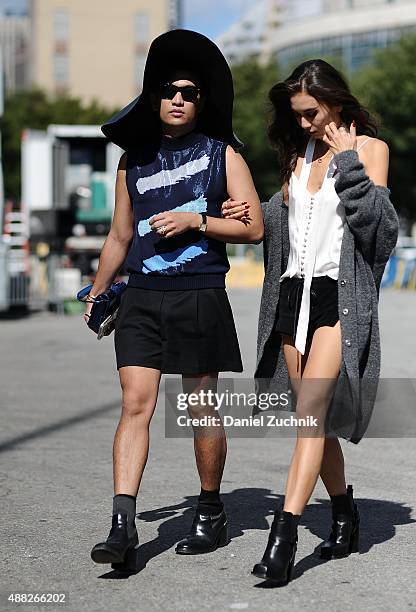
{"points": [[305, 238]]}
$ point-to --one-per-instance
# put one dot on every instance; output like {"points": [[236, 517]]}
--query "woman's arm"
{"points": [[375, 158], [369, 212], [363, 189], [240, 187]]}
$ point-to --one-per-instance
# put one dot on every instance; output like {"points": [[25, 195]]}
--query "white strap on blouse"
{"points": [[316, 225]]}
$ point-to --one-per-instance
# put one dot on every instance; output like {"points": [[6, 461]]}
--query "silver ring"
{"points": [[162, 230]]}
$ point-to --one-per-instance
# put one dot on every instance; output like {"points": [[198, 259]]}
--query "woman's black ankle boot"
{"points": [[345, 532], [279, 556]]}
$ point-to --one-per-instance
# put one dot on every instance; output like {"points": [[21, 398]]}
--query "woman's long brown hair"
{"points": [[325, 83]]}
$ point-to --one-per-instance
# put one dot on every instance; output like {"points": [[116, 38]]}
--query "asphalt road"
{"points": [[60, 404]]}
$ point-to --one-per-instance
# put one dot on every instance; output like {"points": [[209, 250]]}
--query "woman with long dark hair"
{"points": [[328, 235]]}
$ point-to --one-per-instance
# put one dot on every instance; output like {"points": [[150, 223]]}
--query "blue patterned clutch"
{"points": [[104, 310]]}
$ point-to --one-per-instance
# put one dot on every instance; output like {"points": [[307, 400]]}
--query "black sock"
{"points": [[126, 504], [209, 502]]}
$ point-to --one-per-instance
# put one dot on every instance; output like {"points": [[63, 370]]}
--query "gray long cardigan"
{"points": [[370, 234]]}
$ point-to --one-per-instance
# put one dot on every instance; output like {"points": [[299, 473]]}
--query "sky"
{"points": [[210, 17], [214, 17], [13, 4]]}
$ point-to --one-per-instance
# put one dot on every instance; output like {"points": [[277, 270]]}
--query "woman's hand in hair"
{"points": [[235, 209], [340, 139]]}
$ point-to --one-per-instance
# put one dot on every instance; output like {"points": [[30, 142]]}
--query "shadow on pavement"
{"points": [[16, 312], [47, 430], [378, 524], [249, 508]]}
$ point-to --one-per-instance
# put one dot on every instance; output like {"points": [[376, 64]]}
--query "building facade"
{"points": [[350, 30], [14, 45], [94, 49], [251, 36]]}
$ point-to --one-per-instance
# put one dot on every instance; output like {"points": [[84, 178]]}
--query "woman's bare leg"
{"points": [[314, 396], [332, 468], [295, 374]]}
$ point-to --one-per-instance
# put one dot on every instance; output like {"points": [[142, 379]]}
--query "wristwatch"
{"points": [[203, 225]]}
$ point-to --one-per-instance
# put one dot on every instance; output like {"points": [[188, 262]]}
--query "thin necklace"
{"points": [[321, 159]]}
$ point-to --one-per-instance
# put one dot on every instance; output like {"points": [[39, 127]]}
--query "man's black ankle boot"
{"points": [[209, 529], [119, 549]]}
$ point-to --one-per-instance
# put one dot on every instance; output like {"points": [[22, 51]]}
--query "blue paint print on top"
{"points": [[175, 258]]}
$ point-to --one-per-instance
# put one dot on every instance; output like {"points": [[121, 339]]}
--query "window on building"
{"points": [[139, 64], [142, 27], [142, 41], [175, 14], [60, 68], [61, 24]]}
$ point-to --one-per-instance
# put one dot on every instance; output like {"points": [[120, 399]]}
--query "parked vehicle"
{"points": [[68, 184]]}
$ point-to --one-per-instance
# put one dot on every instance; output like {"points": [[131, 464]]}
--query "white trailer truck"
{"points": [[68, 184]]}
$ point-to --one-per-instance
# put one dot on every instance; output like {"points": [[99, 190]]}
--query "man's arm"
{"points": [[240, 186], [117, 243]]}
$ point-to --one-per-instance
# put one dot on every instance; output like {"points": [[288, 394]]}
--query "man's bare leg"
{"points": [[130, 450], [209, 443], [140, 388], [209, 529]]}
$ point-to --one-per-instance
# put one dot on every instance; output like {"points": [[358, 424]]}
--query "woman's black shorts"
{"points": [[189, 331], [323, 304]]}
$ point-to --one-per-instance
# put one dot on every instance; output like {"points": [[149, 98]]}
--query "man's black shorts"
{"points": [[189, 331]]}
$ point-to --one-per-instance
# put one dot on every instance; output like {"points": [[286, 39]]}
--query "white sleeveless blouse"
{"points": [[316, 227]]}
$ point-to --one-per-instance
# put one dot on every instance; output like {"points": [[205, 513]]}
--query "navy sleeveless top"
{"points": [[184, 174]]}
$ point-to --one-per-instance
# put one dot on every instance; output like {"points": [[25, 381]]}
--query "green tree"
{"points": [[388, 88], [335, 60], [34, 109], [252, 83]]}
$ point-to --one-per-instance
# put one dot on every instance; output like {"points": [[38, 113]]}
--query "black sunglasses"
{"points": [[189, 92]]}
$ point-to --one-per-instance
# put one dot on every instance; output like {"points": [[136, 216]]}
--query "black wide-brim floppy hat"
{"points": [[178, 49]]}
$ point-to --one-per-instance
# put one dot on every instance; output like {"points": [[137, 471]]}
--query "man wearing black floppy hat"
{"points": [[179, 166]]}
